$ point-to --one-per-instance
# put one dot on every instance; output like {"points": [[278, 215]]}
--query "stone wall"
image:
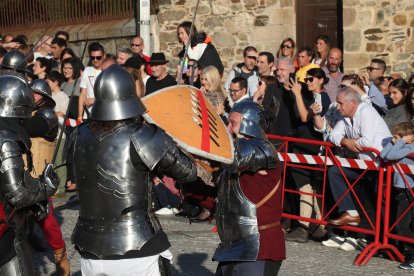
{"points": [[233, 25], [379, 29]]}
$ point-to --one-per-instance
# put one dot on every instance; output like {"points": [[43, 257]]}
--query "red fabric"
{"points": [[256, 187], [51, 230], [3, 225], [204, 194], [208, 40], [147, 59]]}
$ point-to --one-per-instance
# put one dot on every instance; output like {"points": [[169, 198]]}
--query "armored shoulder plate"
{"points": [[269, 151], [51, 118], [151, 144], [253, 155], [8, 146]]}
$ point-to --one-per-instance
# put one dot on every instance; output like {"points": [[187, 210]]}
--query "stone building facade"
{"points": [[371, 29], [379, 29]]}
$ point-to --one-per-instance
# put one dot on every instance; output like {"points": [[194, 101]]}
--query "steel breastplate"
{"points": [[49, 115], [236, 222], [113, 193]]}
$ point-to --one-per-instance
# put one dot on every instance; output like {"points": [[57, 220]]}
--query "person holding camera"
{"points": [[304, 98]]}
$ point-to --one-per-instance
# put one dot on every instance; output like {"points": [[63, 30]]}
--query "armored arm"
{"points": [[18, 187], [159, 152], [253, 155]]}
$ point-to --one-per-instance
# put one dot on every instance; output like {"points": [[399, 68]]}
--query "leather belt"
{"points": [[270, 225]]}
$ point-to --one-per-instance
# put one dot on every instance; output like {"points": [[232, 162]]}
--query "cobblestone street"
{"points": [[193, 246]]}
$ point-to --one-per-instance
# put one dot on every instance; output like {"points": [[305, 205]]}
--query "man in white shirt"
{"points": [[43, 48], [87, 98], [360, 127]]}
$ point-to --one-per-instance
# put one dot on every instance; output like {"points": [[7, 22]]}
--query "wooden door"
{"points": [[318, 17]]}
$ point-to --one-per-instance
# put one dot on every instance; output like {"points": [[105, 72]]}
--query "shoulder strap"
{"points": [[268, 196]]}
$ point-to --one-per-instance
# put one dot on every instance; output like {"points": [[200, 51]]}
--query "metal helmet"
{"points": [[15, 60], [41, 87], [16, 98], [115, 96], [252, 121]]}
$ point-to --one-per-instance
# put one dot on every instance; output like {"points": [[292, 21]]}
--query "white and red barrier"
{"points": [[381, 229]]}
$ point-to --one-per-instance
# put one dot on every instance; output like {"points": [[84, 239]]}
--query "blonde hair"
{"points": [[214, 79]]}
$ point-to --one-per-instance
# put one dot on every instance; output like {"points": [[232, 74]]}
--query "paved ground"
{"points": [[193, 246]]}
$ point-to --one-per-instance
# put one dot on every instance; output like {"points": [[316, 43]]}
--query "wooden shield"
{"points": [[190, 119]]}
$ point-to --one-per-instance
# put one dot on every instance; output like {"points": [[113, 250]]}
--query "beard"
{"points": [[333, 68]]}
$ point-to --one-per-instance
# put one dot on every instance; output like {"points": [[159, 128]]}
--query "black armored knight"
{"points": [[114, 153], [18, 190]]}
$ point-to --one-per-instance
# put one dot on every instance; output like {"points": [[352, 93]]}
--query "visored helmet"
{"points": [[42, 87], [115, 96], [16, 98], [252, 121], [14, 60]]}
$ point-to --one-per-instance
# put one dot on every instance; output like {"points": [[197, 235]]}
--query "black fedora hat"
{"points": [[157, 58]]}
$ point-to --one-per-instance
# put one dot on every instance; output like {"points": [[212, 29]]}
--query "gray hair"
{"points": [[350, 94], [287, 60], [126, 51]]}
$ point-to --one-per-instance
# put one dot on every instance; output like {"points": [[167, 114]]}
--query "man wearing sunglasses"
{"points": [[97, 55], [247, 69], [374, 71], [137, 47]]}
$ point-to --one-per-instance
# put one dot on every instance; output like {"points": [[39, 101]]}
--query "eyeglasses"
{"points": [[135, 45], [252, 57], [234, 91], [372, 69], [287, 46], [95, 57], [308, 79]]}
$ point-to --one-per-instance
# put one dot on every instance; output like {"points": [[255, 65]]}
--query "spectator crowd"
{"points": [[304, 92]]}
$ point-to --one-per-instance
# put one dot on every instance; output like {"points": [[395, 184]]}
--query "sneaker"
{"points": [[175, 211], [407, 265], [164, 211], [349, 244], [334, 241], [362, 243], [317, 232], [300, 234]]}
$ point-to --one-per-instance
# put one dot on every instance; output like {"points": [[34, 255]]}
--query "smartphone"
{"points": [[318, 99], [292, 76]]}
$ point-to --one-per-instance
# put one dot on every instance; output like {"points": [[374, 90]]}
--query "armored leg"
{"points": [[21, 264], [165, 266]]}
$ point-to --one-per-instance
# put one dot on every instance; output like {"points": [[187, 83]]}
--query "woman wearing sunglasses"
{"points": [[264, 82], [287, 49], [305, 180]]}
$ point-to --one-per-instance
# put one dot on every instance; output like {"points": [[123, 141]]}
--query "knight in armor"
{"points": [[19, 190], [42, 129], [14, 61], [248, 210], [114, 153]]}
